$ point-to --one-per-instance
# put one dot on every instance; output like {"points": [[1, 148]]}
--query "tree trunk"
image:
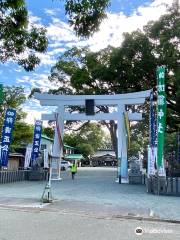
{"points": [[112, 127]]}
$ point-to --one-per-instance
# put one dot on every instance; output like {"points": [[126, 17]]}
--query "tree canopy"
{"points": [[20, 41], [87, 139], [128, 68], [85, 16]]}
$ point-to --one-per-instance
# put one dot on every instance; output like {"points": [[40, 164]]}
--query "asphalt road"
{"points": [[38, 224]]}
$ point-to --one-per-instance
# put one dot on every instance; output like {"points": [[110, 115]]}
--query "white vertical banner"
{"points": [[152, 159], [57, 150], [56, 145], [140, 160], [27, 157], [46, 158]]}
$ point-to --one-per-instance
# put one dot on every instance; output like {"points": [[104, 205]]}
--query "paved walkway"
{"points": [[94, 191]]}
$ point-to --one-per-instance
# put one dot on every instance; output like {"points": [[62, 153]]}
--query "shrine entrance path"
{"points": [[94, 191]]}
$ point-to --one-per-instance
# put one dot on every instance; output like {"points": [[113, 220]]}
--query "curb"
{"points": [[148, 219]]}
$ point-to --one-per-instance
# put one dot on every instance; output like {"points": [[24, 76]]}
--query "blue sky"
{"points": [[123, 16]]}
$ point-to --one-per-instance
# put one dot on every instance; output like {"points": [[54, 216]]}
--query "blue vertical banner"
{"points": [[7, 136], [36, 140]]}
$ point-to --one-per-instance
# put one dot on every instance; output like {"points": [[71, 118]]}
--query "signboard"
{"points": [[161, 119], [36, 140], [7, 135]]}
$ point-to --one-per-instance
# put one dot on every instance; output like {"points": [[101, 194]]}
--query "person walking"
{"points": [[73, 170]]}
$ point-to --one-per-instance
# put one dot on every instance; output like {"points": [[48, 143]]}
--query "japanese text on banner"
{"points": [[7, 135], [161, 119], [36, 140]]}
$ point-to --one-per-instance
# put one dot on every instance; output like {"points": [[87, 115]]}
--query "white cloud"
{"points": [[36, 81], [34, 21], [18, 69], [33, 115], [46, 59], [60, 31], [34, 111], [111, 29], [56, 51], [52, 12]]}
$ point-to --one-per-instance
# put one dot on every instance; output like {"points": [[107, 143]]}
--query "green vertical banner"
{"points": [[1, 93], [161, 119]]}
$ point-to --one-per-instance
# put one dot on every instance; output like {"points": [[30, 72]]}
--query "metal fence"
{"points": [[13, 176], [19, 175]]}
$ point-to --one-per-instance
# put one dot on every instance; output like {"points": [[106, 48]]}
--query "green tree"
{"points": [[86, 149], [22, 135], [17, 37], [85, 16], [129, 68], [87, 139], [48, 131], [20, 42]]}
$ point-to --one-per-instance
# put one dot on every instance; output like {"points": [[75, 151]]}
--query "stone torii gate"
{"points": [[118, 100]]}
